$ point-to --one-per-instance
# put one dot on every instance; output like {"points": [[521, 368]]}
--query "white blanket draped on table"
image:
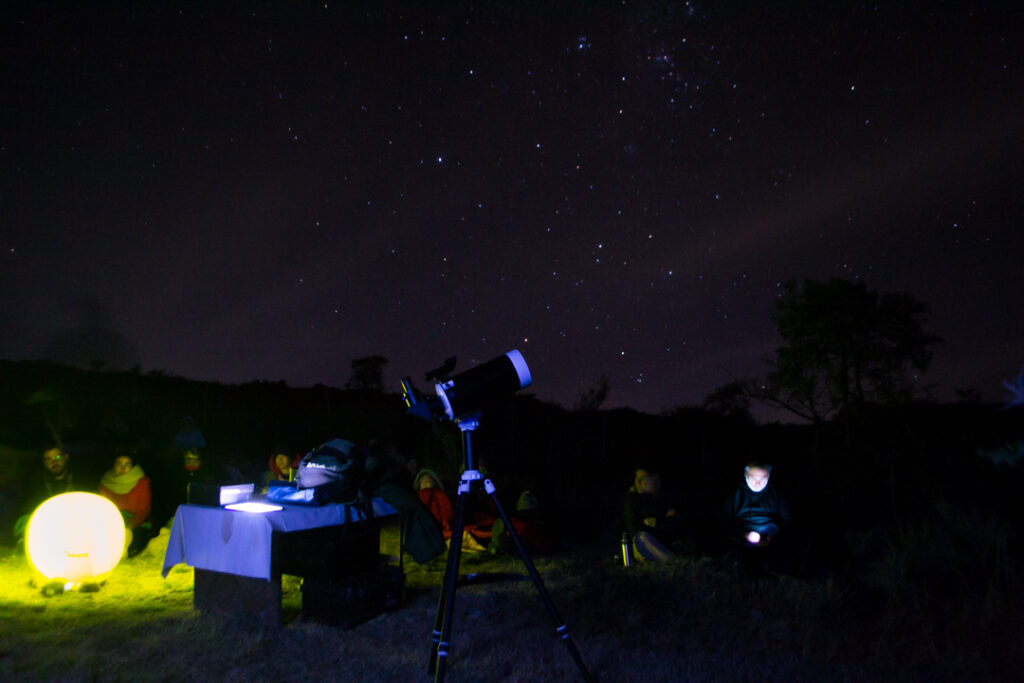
{"points": [[235, 542]]}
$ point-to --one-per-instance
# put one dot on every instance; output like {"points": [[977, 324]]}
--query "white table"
{"points": [[239, 556], [240, 543]]}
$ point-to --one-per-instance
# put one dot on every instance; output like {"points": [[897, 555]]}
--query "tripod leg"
{"points": [[560, 627], [446, 602]]}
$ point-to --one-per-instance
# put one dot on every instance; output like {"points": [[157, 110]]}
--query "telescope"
{"points": [[468, 391], [461, 399]]}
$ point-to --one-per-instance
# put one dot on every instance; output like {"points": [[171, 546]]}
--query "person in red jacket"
{"points": [[127, 486], [280, 467], [530, 528], [428, 487]]}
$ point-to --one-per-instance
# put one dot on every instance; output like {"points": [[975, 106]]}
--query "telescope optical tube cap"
{"points": [[468, 391]]}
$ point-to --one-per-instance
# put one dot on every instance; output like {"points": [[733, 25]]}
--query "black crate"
{"points": [[327, 553], [349, 601]]}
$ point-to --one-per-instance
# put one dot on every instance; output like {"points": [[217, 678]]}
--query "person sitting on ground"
{"points": [[194, 470], [55, 477], [428, 487], [420, 531], [756, 512], [188, 437], [280, 467], [650, 517], [529, 526], [127, 486], [431, 493]]}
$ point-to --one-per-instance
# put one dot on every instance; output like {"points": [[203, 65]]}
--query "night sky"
{"points": [[237, 192]]}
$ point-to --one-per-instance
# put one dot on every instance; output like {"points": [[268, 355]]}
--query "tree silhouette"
{"points": [[845, 346], [730, 400], [367, 373], [592, 398]]}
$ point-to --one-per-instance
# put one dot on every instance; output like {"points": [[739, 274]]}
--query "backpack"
{"points": [[335, 470]]}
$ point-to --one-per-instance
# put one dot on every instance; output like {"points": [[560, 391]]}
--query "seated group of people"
{"points": [[425, 507], [483, 529], [125, 484], [753, 515]]}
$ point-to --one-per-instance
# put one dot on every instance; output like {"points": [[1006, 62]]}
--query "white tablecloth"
{"points": [[237, 542]]}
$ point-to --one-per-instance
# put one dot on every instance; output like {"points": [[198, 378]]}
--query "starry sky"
{"points": [[267, 191]]}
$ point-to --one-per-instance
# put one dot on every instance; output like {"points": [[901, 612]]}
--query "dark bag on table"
{"points": [[335, 471]]}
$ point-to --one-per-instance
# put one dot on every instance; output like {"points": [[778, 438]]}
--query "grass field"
{"points": [[688, 620]]}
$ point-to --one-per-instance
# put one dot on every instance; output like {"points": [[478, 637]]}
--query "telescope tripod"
{"points": [[445, 606]]}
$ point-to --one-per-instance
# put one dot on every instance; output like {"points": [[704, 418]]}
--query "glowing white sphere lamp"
{"points": [[75, 536]]}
